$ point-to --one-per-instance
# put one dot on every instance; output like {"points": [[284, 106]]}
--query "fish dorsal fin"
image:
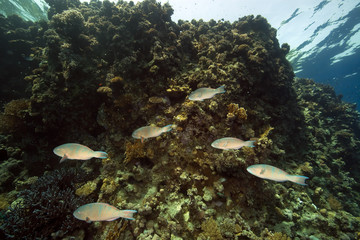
{"points": [[65, 157]]}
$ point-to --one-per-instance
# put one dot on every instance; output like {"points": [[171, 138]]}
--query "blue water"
{"points": [[344, 76]]}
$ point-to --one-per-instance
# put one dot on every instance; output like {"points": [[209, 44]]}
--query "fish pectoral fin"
{"points": [[142, 139], [87, 219], [65, 157]]}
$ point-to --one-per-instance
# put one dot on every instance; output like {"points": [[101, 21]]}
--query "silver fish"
{"points": [[276, 174], [77, 151], [101, 212], [231, 143], [205, 93], [151, 131]]}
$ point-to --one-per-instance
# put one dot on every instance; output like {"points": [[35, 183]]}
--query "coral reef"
{"points": [[45, 209], [105, 69]]}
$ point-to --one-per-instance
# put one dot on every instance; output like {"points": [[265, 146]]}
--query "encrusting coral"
{"points": [[107, 69]]}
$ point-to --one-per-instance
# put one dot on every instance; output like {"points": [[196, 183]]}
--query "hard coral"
{"points": [[69, 23], [134, 150], [12, 120], [211, 230], [334, 203], [235, 111], [45, 208]]}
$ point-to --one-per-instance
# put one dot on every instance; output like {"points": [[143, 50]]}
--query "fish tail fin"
{"points": [[100, 154], [168, 128], [298, 179], [221, 89], [250, 143], [128, 214]]}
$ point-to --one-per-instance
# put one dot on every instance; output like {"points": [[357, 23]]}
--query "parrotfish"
{"points": [[150, 131], [231, 143], [276, 174], [77, 151], [101, 212], [205, 93]]}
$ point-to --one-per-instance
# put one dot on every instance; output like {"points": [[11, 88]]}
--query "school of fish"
{"points": [[105, 212]]}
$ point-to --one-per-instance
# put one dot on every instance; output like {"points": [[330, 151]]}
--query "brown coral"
{"points": [[134, 150], [12, 119], [234, 111], [334, 203], [210, 230]]}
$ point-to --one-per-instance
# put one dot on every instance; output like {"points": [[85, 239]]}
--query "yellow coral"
{"points": [[249, 154], [268, 235], [181, 117], [17, 107], [306, 168], [4, 202], [267, 131], [105, 90], [235, 111], [12, 118], [116, 79], [86, 189], [109, 186], [156, 100], [211, 230], [118, 228], [334, 203], [133, 150], [278, 236]]}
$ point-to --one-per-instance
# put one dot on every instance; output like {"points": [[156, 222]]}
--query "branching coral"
{"points": [[45, 208]]}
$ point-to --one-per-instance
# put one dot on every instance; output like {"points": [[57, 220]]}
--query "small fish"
{"points": [[77, 151], [150, 131], [101, 212], [276, 174], [205, 93], [228, 143]]}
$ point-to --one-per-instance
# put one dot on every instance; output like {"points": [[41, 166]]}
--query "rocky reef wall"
{"points": [[104, 69]]}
